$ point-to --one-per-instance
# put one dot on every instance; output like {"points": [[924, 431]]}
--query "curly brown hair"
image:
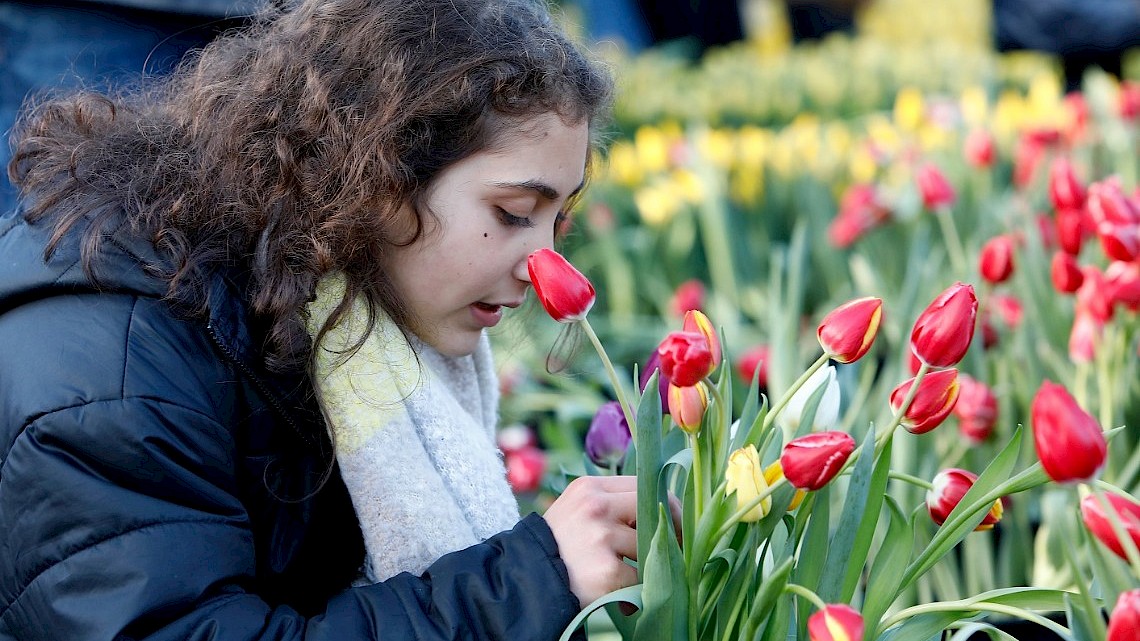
{"points": [[293, 145]]}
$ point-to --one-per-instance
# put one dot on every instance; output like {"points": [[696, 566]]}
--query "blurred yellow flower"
{"points": [[657, 204], [652, 146], [623, 167], [863, 165], [752, 145], [718, 146], [910, 109], [975, 106], [746, 186], [687, 185]]}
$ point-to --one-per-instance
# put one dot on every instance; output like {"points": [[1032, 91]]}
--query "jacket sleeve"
{"points": [[114, 528]]}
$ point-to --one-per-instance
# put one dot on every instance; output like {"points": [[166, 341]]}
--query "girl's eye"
{"points": [[512, 220]]}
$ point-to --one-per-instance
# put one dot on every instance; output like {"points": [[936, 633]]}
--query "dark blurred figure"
{"points": [[709, 22], [1084, 33], [814, 19], [68, 43]]}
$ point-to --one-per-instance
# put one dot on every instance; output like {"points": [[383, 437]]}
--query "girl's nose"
{"points": [[520, 270]]}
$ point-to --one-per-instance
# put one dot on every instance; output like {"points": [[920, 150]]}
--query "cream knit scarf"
{"points": [[415, 439]]}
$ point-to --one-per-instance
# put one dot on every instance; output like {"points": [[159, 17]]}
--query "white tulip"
{"points": [[826, 413]]}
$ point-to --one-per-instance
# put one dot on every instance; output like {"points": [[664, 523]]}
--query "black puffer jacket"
{"points": [[157, 483]]}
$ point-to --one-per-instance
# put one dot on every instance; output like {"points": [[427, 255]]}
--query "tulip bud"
{"points": [[1108, 204], [687, 406], [826, 413], [1119, 242], [696, 321], [653, 364], [860, 210], [936, 397], [749, 361], [775, 472], [1065, 189], [563, 291], [688, 295], [1098, 521], [848, 331], [950, 485], [1068, 439], [1066, 273], [525, 468], [943, 331], [936, 190], [1073, 227], [1083, 338], [979, 149], [744, 476], [836, 622], [608, 436], [810, 462], [686, 358], [976, 409], [1124, 623], [995, 263]]}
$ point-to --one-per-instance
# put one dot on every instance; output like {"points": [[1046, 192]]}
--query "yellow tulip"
{"points": [[745, 477], [775, 472], [974, 105], [910, 110]]}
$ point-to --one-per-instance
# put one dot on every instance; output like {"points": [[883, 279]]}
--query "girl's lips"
{"points": [[486, 315]]}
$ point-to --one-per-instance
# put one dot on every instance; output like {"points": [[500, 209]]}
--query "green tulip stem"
{"points": [[731, 521], [698, 474], [1105, 380], [913, 480], [945, 216], [1118, 530], [896, 420], [800, 590], [780, 404], [619, 389], [971, 606]]}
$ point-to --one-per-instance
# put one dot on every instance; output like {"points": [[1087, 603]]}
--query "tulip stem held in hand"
{"points": [[780, 404], [619, 389]]}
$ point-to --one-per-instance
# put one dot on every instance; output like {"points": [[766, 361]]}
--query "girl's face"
{"points": [[491, 210]]}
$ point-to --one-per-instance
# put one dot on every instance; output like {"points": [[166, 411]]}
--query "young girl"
{"points": [[245, 391]]}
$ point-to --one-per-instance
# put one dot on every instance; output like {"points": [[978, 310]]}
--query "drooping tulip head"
{"points": [[848, 331], [950, 485], [564, 292], [1098, 522], [1068, 439], [811, 461], [935, 399], [836, 622], [943, 331]]}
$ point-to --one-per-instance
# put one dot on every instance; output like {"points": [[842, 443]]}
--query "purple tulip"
{"points": [[654, 365], [608, 436]]}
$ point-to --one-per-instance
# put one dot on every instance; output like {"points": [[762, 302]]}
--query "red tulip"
{"points": [[1098, 521], [688, 295], [513, 438], [1077, 110], [1027, 157], [696, 321], [1008, 308], [979, 149], [836, 622], [1083, 337], [1065, 189], [936, 190], [525, 468], [1094, 296], [937, 394], [1128, 101], [860, 211], [1124, 284], [687, 406], [950, 485], [849, 330], [686, 358], [565, 293], [653, 364], [995, 263], [1068, 439], [1073, 227], [976, 409], [1066, 273], [1124, 623], [943, 331], [810, 462], [1119, 242], [1108, 204], [750, 360]]}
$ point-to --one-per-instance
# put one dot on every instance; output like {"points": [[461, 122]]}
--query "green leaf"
{"points": [[887, 570], [664, 594], [1025, 598], [865, 535], [632, 594], [649, 464], [921, 627], [814, 547], [957, 525], [770, 590], [967, 631], [839, 555], [1079, 623]]}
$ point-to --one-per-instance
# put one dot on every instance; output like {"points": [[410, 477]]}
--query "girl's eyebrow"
{"points": [[537, 186]]}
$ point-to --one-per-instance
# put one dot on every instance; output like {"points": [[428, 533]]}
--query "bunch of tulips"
{"points": [[762, 553]]}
